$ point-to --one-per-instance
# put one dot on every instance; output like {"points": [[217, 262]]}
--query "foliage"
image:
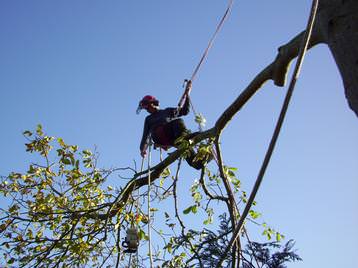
{"points": [[61, 213], [52, 216], [261, 255], [254, 255]]}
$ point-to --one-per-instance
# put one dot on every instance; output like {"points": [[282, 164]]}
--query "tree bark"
{"points": [[337, 22]]}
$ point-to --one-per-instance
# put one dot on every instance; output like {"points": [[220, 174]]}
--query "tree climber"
{"points": [[164, 126]]}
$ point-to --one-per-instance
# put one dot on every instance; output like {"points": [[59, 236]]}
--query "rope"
{"points": [[137, 201], [149, 216], [130, 260], [276, 133], [186, 93], [137, 208], [200, 126], [206, 52], [218, 28]]}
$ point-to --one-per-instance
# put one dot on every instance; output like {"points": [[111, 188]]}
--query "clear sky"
{"points": [[80, 67]]}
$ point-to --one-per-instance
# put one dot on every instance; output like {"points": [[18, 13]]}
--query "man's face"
{"points": [[151, 108]]}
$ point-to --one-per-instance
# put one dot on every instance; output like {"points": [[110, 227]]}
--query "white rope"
{"points": [[149, 216], [137, 204]]}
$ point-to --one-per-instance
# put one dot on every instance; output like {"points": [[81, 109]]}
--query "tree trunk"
{"points": [[337, 22]]}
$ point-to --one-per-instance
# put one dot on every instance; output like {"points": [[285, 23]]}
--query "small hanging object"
{"points": [[200, 120], [131, 241]]}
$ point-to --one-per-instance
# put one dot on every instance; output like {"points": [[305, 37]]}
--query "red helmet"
{"points": [[146, 100]]}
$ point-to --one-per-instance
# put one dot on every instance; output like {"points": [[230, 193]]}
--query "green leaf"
{"points": [[268, 232], [39, 130], [187, 210], [87, 152], [14, 208], [109, 188], [279, 237], [66, 161], [142, 235], [61, 142], [27, 133], [169, 248], [200, 119], [268, 235], [231, 174], [2, 227], [193, 209], [197, 197], [165, 173], [254, 214], [161, 182]]}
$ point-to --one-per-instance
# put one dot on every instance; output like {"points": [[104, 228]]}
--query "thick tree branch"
{"points": [[302, 51], [275, 71]]}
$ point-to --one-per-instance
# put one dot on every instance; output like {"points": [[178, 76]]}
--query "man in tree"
{"points": [[164, 126]]}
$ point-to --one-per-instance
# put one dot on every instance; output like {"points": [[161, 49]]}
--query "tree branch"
{"points": [[302, 51], [275, 71]]}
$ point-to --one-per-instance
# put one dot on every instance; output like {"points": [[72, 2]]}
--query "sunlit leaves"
{"points": [[61, 214], [50, 200], [200, 119], [192, 209], [142, 235], [254, 214], [210, 218], [195, 193], [176, 262], [231, 175], [165, 173], [40, 144], [270, 233]]}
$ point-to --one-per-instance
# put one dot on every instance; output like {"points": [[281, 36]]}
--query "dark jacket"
{"points": [[159, 119]]}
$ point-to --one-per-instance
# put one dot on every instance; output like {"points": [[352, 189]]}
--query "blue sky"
{"points": [[80, 67]]}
